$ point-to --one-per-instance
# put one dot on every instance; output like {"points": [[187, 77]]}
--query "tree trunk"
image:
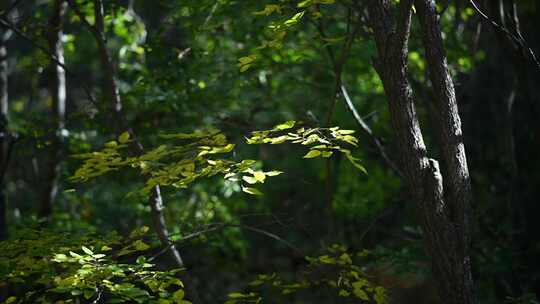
{"points": [[443, 204], [456, 173], [3, 131], [57, 88]]}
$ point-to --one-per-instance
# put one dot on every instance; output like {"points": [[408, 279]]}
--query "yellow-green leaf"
{"points": [[259, 176], [111, 144], [86, 250], [178, 295], [269, 9], [305, 3], [140, 245], [249, 179], [312, 154], [123, 138], [251, 191], [273, 173], [284, 126]]}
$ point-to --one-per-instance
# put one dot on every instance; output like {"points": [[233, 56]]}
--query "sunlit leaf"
{"points": [[312, 154]]}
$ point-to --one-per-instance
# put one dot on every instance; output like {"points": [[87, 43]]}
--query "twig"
{"points": [[6, 24], [219, 226], [368, 130], [273, 236], [100, 292], [518, 39], [11, 8], [210, 15]]}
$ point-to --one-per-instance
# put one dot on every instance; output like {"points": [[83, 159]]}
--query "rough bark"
{"points": [[443, 203], [57, 89], [456, 172]]}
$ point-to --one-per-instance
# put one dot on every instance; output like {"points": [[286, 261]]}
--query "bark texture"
{"points": [[443, 197], [456, 172], [57, 89]]}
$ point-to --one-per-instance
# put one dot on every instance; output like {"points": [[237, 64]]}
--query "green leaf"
{"points": [[305, 3], [178, 295], [140, 245], [273, 173], [111, 144], [259, 176], [279, 140], [350, 139], [249, 179], [312, 154], [123, 138], [284, 126], [245, 67], [361, 294], [354, 162], [60, 258], [86, 250], [251, 191], [327, 153], [295, 19], [88, 293], [269, 9], [141, 260]]}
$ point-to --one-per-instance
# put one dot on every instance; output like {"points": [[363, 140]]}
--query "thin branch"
{"points": [[11, 8], [6, 24], [210, 15], [220, 226], [337, 66], [83, 19], [273, 236], [367, 129], [517, 38]]}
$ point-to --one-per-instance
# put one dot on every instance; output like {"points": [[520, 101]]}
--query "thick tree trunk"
{"points": [[57, 88], [443, 207], [456, 173]]}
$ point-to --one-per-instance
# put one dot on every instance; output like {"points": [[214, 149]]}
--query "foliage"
{"points": [[51, 266], [181, 161], [185, 157], [322, 142], [335, 271]]}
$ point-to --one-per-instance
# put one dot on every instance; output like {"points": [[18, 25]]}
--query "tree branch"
{"points": [[516, 38], [155, 200], [368, 131], [8, 25]]}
